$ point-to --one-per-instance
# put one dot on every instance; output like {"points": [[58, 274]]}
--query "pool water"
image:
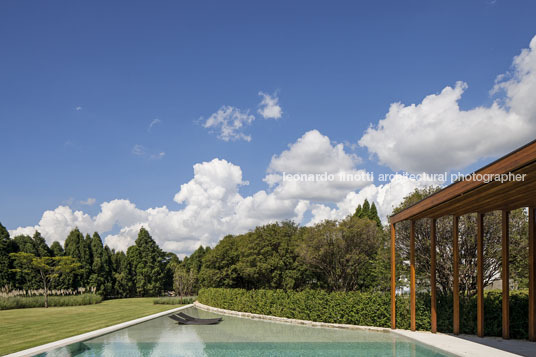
{"points": [[236, 336]]}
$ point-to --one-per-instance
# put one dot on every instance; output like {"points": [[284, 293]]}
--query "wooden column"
{"points": [[505, 275], [532, 274], [456, 277], [480, 275], [393, 277], [412, 275], [433, 315]]}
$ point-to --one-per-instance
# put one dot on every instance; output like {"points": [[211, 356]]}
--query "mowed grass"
{"points": [[25, 328]]}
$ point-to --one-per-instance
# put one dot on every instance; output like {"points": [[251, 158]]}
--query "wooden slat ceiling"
{"points": [[476, 196]]}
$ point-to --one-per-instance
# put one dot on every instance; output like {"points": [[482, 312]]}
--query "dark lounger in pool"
{"points": [[190, 318], [194, 322]]}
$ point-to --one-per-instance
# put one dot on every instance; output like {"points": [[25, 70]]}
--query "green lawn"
{"points": [[25, 328]]}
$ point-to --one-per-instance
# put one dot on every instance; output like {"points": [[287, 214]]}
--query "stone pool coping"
{"points": [[456, 345], [85, 336]]}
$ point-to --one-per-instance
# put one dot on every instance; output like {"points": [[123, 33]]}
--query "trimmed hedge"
{"points": [[174, 300], [371, 309], [20, 302]]}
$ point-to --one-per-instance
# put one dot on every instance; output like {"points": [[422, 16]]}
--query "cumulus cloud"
{"points": [[314, 154], [211, 205], [229, 123], [436, 135], [89, 202], [212, 208], [385, 196], [269, 106]]}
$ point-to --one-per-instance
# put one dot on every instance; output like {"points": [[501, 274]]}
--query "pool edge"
{"points": [[443, 342], [92, 334]]}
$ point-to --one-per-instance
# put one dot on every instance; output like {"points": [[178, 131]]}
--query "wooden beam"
{"points": [[412, 275], [393, 277], [507, 163], [433, 314], [480, 275], [491, 196], [532, 274], [456, 277], [505, 275]]}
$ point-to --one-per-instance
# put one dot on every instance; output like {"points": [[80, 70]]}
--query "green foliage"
{"points": [[370, 308], [264, 258], [19, 302], [368, 211], [174, 300], [148, 262], [343, 253], [57, 249], [78, 247], [48, 268], [6, 247]]}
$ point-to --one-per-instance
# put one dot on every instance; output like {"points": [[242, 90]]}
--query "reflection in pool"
{"points": [[242, 337]]}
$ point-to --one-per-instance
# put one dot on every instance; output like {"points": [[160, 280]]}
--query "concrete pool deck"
{"points": [[462, 345]]}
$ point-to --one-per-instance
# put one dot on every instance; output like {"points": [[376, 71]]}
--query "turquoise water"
{"points": [[242, 337]]}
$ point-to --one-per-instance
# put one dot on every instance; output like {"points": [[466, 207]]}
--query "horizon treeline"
{"points": [[351, 254]]}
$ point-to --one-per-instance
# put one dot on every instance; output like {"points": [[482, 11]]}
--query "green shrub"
{"points": [[372, 309], [174, 300], [21, 302]]}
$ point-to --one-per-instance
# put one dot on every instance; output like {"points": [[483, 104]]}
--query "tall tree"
{"points": [[148, 263], [342, 254], [123, 275], [57, 249], [6, 247], [79, 248]]}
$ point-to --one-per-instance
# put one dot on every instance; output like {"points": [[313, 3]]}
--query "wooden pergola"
{"points": [[476, 195]]}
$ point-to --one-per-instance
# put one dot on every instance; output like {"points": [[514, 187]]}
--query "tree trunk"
{"points": [[46, 289]]}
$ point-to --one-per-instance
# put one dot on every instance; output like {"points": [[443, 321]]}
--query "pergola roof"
{"points": [[473, 195]]}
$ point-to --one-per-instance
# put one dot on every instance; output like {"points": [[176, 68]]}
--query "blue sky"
{"points": [[81, 82]]}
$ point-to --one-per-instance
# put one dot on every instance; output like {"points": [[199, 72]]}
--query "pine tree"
{"points": [[57, 249], [365, 212], [374, 215], [97, 277], [148, 265], [79, 248], [358, 211], [40, 245], [5, 249]]}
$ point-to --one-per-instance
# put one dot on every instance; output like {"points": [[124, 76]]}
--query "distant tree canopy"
{"points": [[334, 255]]}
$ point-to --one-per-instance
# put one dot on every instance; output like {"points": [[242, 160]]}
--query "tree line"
{"points": [[144, 270], [351, 254]]}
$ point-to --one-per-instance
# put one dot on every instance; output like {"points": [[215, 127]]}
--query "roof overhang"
{"points": [[479, 195]]}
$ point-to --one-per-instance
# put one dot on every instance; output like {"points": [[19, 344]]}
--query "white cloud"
{"points": [[89, 202], [211, 205], [153, 123], [78, 108], [229, 122], [436, 135], [269, 106], [386, 197], [313, 154]]}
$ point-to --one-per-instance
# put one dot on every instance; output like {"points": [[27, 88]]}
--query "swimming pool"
{"points": [[236, 336]]}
